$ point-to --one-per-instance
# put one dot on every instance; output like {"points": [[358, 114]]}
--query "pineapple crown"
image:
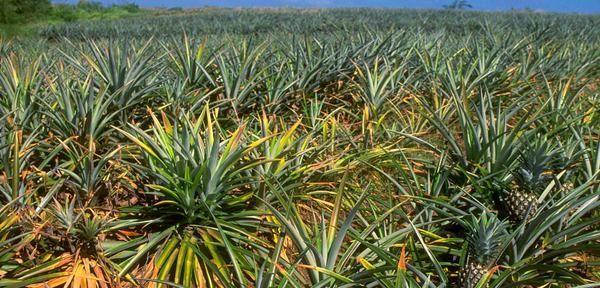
{"points": [[485, 235], [536, 161]]}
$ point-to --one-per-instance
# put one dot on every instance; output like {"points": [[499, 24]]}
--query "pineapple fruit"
{"points": [[485, 236], [532, 176], [520, 202]]}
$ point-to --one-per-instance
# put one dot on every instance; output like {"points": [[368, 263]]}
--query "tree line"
{"points": [[27, 11], [21, 11]]}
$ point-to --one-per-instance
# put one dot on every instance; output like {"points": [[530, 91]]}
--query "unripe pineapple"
{"points": [[520, 202], [471, 274], [485, 236], [535, 172], [521, 206]]}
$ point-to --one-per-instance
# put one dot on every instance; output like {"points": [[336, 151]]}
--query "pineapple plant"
{"points": [[484, 236], [533, 174], [301, 148]]}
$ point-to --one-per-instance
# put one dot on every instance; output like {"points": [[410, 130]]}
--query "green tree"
{"points": [[21, 11], [458, 4]]}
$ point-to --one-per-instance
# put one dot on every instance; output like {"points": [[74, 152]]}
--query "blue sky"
{"points": [[578, 6]]}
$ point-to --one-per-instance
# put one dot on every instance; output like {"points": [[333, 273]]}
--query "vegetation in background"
{"points": [[458, 4], [14, 13], [22, 11], [23, 17], [91, 10], [302, 148]]}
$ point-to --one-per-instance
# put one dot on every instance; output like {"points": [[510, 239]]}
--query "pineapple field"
{"points": [[302, 148]]}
